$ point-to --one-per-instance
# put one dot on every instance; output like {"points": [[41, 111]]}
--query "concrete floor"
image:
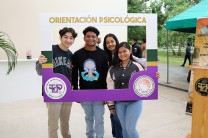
{"points": [[162, 118]]}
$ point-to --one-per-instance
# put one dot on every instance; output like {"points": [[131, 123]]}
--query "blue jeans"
{"points": [[128, 114], [116, 126], [94, 112]]}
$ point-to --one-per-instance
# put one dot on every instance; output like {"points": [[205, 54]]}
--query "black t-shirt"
{"points": [[62, 61], [92, 67], [136, 50]]}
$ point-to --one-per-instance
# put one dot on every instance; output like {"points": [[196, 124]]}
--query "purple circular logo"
{"points": [[144, 86], [55, 88]]}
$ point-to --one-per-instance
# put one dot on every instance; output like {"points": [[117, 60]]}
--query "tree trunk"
{"points": [[179, 49]]}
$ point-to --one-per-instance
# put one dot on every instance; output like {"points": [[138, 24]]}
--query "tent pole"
{"points": [[167, 57]]}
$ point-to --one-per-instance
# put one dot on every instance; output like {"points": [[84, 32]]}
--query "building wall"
{"points": [[21, 19]]}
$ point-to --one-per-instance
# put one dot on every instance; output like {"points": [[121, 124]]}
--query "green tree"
{"points": [[137, 6], [157, 7], [165, 9], [140, 6], [139, 31], [173, 8]]}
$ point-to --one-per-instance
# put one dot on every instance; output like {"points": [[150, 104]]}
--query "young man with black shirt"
{"points": [[91, 64], [136, 49]]}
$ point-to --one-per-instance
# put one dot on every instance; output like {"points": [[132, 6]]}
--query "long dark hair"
{"points": [[106, 49], [116, 60]]}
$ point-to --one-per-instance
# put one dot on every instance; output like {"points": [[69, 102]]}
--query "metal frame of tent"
{"points": [[185, 22]]}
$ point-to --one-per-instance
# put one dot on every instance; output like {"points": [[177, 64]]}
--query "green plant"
{"points": [[7, 45]]}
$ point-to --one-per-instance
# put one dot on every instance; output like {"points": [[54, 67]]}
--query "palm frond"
{"points": [[8, 46]]}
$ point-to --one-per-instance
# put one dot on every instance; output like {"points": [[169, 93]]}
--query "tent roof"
{"points": [[186, 21]]}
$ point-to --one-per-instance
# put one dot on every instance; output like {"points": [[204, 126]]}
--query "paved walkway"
{"points": [[177, 77], [162, 118]]}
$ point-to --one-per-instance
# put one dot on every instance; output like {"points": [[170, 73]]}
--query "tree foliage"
{"points": [[165, 9], [139, 31]]}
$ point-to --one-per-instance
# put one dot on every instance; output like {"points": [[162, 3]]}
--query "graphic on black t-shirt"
{"points": [[90, 73], [61, 61]]}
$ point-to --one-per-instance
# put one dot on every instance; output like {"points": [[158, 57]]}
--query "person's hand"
{"points": [[42, 59], [158, 59], [158, 75], [113, 111]]}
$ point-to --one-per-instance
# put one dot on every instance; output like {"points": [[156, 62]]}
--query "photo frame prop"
{"points": [[143, 85]]}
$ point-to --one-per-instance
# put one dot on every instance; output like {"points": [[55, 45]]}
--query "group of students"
{"points": [[93, 68]]}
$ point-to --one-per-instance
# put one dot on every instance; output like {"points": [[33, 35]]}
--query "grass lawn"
{"points": [[173, 60]]}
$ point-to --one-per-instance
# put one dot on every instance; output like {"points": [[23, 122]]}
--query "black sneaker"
{"points": [[182, 65], [189, 109]]}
